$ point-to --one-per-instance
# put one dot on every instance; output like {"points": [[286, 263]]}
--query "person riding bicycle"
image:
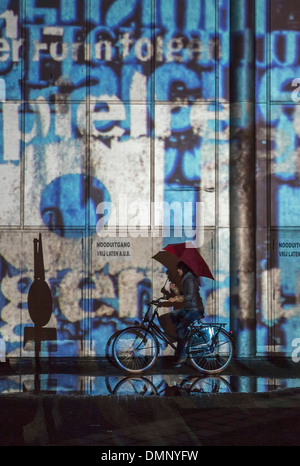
{"points": [[193, 308]]}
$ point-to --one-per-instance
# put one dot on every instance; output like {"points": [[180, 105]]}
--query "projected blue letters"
{"points": [[103, 99]]}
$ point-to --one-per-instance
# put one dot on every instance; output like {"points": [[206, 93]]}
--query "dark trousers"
{"points": [[182, 318]]}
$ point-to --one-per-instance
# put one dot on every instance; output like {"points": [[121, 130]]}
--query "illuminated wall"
{"points": [[277, 139], [127, 103]]}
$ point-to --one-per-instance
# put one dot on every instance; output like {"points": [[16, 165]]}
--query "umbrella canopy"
{"points": [[169, 261], [187, 253]]}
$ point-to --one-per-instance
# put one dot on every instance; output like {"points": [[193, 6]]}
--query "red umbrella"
{"points": [[187, 253]]}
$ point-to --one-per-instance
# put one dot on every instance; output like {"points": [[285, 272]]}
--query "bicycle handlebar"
{"points": [[155, 302]]}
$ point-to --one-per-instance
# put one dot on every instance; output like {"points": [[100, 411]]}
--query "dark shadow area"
{"points": [[224, 419], [39, 304]]}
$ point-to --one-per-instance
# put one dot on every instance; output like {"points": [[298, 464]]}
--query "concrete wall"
{"points": [[119, 113]]}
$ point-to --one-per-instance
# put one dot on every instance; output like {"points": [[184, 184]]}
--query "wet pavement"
{"points": [[144, 385], [72, 404]]}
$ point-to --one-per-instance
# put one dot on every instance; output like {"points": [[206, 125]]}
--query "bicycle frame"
{"points": [[149, 324], [162, 335]]}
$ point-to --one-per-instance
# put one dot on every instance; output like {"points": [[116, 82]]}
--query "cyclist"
{"points": [[193, 309]]}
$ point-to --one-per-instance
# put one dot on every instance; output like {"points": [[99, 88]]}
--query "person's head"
{"points": [[182, 269]]}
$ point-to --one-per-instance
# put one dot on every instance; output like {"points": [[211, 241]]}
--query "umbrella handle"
{"points": [[164, 287], [165, 284]]}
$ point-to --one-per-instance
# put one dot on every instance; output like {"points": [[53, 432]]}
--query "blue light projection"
{"points": [[277, 66], [106, 97]]}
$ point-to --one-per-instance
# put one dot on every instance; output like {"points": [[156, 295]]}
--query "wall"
{"points": [[277, 160], [112, 112]]}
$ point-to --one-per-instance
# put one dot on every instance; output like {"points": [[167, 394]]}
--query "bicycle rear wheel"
{"points": [[135, 350], [212, 356]]}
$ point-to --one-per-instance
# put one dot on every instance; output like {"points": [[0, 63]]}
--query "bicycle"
{"points": [[135, 349], [189, 386]]}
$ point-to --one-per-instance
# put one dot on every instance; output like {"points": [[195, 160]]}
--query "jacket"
{"points": [[190, 290]]}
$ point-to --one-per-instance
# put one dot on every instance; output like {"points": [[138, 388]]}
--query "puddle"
{"points": [[151, 385]]}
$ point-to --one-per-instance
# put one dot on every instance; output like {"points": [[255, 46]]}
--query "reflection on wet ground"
{"points": [[150, 385]]}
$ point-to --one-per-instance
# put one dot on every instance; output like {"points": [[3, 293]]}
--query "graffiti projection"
{"points": [[103, 94], [278, 141], [87, 103]]}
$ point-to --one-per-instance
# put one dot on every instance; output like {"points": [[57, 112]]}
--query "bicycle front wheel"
{"points": [[135, 350], [213, 356], [135, 385]]}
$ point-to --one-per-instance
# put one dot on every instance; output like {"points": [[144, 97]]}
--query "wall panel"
{"points": [[111, 111]]}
